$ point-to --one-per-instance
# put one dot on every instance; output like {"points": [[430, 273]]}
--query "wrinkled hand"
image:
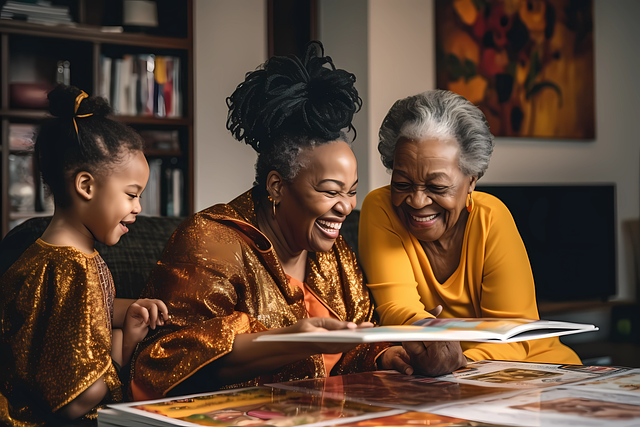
{"points": [[435, 358], [144, 314], [397, 358], [317, 324]]}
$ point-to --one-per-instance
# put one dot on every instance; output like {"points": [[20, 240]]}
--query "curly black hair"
{"points": [[98, 144], [289, 104]]}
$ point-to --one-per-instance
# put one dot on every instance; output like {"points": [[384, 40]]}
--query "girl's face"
{"points": [[116, 198], [317, 201], [428, 189]]}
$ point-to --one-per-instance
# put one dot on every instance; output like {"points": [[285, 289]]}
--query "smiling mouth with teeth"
{"points": [[329, 225], [423, 218]]}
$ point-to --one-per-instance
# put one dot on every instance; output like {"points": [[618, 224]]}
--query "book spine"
{"points": [[105, 78], [115, 85], [169, 192], [177, 192]]}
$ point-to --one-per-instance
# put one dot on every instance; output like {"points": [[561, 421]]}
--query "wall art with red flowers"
{"points": [[527, 64]]}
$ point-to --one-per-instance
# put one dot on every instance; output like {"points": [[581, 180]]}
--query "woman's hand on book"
{"points": [[320, 324]]}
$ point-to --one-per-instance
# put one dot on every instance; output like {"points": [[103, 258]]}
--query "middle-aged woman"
{"points": [[272, 260], [429, 239]]}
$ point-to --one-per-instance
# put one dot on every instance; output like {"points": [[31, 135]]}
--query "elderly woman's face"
{"points": [[428, 189], [316, 203]]}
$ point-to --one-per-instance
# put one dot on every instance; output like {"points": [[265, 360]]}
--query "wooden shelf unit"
{"points": [[94, 40]]}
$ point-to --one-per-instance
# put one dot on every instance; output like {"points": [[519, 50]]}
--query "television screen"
{"points": [[570, 235]]}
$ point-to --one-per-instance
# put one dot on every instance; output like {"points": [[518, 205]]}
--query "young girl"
{"points": [[60, 350]]}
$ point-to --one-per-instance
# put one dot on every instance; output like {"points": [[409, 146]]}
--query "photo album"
{"points": [[476, 330]]}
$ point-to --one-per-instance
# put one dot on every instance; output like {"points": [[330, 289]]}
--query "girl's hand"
{"points": [[141, 315], [151, 312]]}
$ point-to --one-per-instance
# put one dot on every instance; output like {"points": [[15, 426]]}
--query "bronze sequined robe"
{"points": [[55, 332], [220, 277]]}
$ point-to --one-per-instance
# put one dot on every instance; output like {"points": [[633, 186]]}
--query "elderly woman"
{"points": [[272, 260], [428, 239]]}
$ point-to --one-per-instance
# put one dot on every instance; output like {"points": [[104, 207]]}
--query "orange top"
{"points": [[493, 278], [316, 309]]}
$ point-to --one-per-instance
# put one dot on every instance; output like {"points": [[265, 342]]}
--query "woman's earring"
{"points": [[273, 205], [469, 203]]}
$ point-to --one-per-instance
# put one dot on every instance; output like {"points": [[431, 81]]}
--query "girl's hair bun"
{"points": [[62, 103], [72, 141], [290, 97]]}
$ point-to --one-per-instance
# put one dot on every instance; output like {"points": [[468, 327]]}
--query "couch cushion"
{"points": [[131, 260]]}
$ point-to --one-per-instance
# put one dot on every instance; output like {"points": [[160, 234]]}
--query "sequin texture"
{"points": [[55, 332], [219, 277]]}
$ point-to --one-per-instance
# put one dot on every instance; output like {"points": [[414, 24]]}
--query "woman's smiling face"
{"points": [[316, 202], [428, 189]]}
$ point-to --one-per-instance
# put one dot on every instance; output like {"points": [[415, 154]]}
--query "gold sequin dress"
{"points": [[220, 277], [56, 305]]}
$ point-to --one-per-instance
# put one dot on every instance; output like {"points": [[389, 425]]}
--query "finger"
{"points": [[401, 362], [401, 365], [153, 315], [162, 307], [334, 324], [365, 325], [414, 348], [435, 312], [144, 313]]}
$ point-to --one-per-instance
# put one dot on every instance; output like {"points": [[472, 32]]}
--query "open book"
{"points": [[477, 330]]}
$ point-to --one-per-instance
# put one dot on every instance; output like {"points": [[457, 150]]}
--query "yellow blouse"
{"points": [[493, 278], [55, 332]]}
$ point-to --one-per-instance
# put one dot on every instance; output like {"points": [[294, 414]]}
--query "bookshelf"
{"points": [[31, 54]]}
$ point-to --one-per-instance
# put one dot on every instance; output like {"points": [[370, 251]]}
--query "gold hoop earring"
{"points": [[273, 206], [469, 203]]}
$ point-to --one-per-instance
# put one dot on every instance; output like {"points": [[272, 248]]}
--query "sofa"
{"points": [[133, 258]]}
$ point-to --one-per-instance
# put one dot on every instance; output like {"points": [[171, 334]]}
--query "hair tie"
{"points": [[79, 99]]}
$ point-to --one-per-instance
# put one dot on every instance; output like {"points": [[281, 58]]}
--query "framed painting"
{"points": [[527, 64]]}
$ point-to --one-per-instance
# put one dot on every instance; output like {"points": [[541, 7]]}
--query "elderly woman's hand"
{"points": [[435, 358]]}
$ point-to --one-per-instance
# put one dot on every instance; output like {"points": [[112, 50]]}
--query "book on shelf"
{"points": [[104, 83], [492, 330], [161, 140], [174, 191], [151, 196], [42, 12], [164, 193], [22, 136], [22, 191], [142, 85]]}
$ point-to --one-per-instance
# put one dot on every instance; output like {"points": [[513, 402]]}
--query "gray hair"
{"points": [[439, 114]]}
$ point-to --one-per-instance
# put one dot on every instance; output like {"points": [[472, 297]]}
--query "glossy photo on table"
{"points": [[485, 393], [255, 406]]}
